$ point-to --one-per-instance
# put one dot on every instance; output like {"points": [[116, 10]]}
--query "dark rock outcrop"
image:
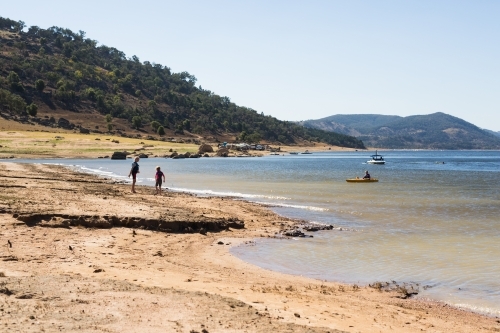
{"points": [[64, 123], [119, 155], [294, 233], [315, 226]]}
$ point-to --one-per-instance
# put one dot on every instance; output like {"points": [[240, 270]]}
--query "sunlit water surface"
{"points": [[433, 218]]}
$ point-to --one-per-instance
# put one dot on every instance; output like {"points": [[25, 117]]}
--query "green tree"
{"points": [[58, 42], [161, 130], [68, 49], [32, 109], [91, 94], [17, 104], [198, 129], [254, 137], [101, 102], [282, 139], [137, 122], [179, 129], [152, 104], [11, 101], [21, 26], [40, 85], [243, 136], [15, 82], [109, 119], [155, 125], [78, 75]]}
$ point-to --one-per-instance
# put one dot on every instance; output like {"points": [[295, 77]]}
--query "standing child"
{"points": [[158, 178]]}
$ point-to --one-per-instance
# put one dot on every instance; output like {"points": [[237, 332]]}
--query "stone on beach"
{"points": [[222, 152], [119, 155], [204, 148]]}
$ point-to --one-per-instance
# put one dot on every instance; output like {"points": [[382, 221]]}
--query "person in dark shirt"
{"points": [[367, 175], [133, 172]]}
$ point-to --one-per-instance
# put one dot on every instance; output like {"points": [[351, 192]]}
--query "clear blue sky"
{"points": [[298, 60]]}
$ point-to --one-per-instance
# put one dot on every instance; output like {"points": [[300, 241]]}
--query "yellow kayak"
{"points": [[361, 180]]}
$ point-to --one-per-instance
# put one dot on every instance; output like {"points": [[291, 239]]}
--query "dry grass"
{"points": [[31, 142]]}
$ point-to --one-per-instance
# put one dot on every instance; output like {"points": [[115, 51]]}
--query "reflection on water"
{"points": [[431, 219]]}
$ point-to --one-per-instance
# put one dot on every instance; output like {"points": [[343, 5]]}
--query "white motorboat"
{"points": [[376, 159]]}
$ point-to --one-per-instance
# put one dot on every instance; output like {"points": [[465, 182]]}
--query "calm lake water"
{"points": [[433, 218]]}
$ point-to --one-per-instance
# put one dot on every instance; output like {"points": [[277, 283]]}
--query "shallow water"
{"points": [[425, 221]]}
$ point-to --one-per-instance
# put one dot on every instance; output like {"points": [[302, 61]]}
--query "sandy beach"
{"points": [[83, 254]]}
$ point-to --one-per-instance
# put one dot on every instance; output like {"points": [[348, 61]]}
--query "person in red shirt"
{"points": [[159, 176]]}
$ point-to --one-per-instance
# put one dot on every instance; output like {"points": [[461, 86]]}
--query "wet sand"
{"points": [[82, 254]]}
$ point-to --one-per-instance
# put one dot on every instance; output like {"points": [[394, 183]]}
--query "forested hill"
{"points": [[58, 70], [433, 131]]}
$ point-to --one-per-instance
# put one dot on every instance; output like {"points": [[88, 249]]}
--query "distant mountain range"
{"points": [[433, 131], [493, 132]]}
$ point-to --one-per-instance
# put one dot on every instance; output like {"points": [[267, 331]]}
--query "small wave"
{"points": [[50, 163], [227, 194], [99, 172], [480, 309], [318, 209]]}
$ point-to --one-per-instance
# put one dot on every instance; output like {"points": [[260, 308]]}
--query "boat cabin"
{"points": [[376, 159]]}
